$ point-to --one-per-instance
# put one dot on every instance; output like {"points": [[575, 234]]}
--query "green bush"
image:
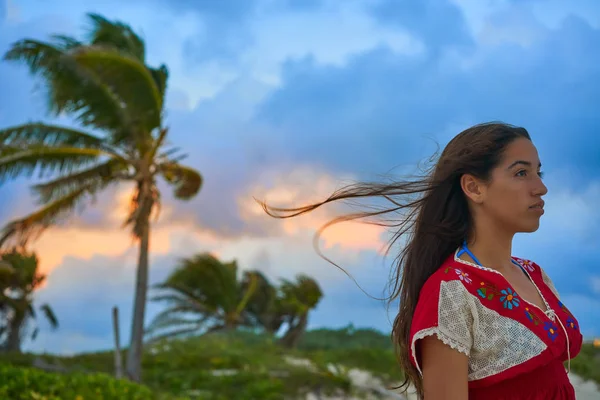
{"points": [[220, 367], [238, 365], [19, 383], [587, 363]]}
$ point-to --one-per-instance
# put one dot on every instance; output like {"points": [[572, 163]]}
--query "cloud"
{"points": [[299, 5], [595, 284], [517, 25], [379, 109], [439, 24], [223, 31], [98, 284]]}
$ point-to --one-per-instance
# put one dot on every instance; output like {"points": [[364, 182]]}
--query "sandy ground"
{"points": [[363, 379], [585, 390]]}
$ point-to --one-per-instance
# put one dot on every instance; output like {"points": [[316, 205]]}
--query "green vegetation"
{"points": [[19, 280], [587, 363], [32, 384], [236, 365]]}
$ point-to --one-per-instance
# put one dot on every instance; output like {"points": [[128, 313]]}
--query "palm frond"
{"points": [[187, 181], [40, 57], [71, 89], [182, 294], [161, 76], [171, 318], [50, 315], [117, 35], [165, 321], [19, 232], [120, 36], [173, 334], [249, 292], [177, 316], [129, 79], [96, 176], [47, 160], [65, 43], [41, 134]]}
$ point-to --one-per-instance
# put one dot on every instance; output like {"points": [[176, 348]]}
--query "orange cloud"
{"points": [[184, 238], [83, 241], [301, 187]]}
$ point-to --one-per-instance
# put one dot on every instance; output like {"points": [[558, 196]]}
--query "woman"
{"points": [[474, 322]]}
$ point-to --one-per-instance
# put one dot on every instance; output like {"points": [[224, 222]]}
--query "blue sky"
{"points": [[288, 99]]}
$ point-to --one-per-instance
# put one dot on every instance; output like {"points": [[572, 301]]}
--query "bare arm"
{"points": [[445, 371]]}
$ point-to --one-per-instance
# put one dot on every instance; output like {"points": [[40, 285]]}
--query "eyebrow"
{"points": [[522, 162]]}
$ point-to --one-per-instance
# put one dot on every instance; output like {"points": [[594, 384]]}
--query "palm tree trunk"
{"points": [[13, 341], [295, 331], [134, 354]]}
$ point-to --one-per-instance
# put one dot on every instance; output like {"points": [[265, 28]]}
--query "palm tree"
{"points": [[265, 309], [118, 101], [297, 300], [203, 295], [18, 287]]}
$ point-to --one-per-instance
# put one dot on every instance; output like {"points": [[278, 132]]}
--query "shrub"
{"points": [[18, 383]]}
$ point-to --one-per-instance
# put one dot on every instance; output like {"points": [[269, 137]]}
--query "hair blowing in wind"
{"points": [[430, 212]]}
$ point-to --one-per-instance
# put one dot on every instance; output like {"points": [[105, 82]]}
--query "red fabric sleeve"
{"points": [[444, 309]]}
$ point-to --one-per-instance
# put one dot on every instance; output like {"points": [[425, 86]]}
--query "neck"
{"points": [[492, 246]]}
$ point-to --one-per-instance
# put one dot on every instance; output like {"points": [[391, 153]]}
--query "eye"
{"points": [[541, 174], [521, 173]]}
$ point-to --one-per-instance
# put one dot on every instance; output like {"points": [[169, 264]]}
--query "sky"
{"points": [[287, 100]]}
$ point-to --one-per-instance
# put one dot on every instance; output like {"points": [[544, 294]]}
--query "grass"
{"points": [[244, 365]]}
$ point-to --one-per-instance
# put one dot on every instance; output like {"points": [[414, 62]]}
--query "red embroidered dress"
{"points": [[516, 350]]}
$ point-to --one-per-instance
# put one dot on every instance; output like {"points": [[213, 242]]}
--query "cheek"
{"points": [[505, 201]]}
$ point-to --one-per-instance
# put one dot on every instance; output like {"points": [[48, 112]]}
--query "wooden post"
{"points": [[118, 363]]}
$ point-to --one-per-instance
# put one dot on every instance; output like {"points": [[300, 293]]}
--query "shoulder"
{"points": [[450, 272], [445, 293], [444, 310]]}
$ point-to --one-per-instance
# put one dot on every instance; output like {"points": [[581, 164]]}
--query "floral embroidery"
{"points": [[526, 264], [532, 316], [571, 323], [463, 276], [551, 329], [509, 298]]}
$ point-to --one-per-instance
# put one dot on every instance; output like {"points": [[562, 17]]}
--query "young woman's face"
{"points": [[513, 197]]}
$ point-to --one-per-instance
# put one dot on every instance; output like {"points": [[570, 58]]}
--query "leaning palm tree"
{"points": [[297, 300], [117, 101], [203, 295], [265, 310], [17, 291]]}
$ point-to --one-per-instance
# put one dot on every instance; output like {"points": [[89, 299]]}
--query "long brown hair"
{"points": [[433, 214]]}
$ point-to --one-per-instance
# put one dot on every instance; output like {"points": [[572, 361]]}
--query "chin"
{"points": [[530, 228]]}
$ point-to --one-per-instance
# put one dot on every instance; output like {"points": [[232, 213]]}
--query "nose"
{"points": [[540, 189]]}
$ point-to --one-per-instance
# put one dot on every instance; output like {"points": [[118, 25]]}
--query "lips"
{"points": [[539, 204]]}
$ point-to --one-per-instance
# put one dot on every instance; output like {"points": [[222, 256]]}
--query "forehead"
{"points": [[521, 150]]}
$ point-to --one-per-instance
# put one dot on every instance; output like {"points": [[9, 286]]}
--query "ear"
{"points": [[473, 188]]}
